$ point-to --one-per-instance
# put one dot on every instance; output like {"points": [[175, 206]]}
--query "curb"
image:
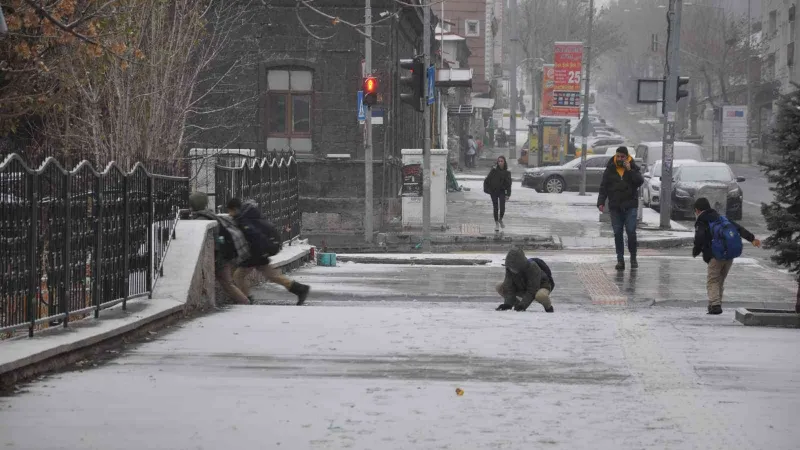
{"points": [[756, 317], [414, 261]]}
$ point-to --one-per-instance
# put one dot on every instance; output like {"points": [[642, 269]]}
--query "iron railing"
{"points": [[271, 182], [75, 242]]}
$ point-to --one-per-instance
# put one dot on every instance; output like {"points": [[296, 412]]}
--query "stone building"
{"points": [[298, 70]]}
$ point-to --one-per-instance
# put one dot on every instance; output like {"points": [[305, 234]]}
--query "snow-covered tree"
{"points": [[783, 213]]}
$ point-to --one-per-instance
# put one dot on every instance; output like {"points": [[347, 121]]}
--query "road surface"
{"points": [[369, 374]]}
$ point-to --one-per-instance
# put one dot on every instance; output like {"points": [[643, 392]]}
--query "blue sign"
{"points": [[362, 113], [431, 84]]}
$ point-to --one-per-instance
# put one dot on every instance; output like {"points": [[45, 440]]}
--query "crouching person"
{"points": [[264, 241], [230, 247], [525, 282]]}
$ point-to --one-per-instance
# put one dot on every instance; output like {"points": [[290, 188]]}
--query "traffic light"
{"points": [[370, 89], [680, 93], [413, 81]]}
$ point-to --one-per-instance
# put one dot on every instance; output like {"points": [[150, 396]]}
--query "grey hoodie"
{"points": [[523, 278]]}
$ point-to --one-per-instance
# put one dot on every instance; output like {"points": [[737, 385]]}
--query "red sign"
{"points": [[548, 83], [568, 58]]}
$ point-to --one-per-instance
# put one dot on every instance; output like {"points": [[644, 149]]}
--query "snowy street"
{"points": [[352, 371]]}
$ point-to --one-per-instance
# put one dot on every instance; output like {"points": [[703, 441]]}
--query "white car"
{"points": [[652, 182]]}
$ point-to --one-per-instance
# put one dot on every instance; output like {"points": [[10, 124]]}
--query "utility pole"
{"points": [[671, 73], [585, 118], [426, 141], [368, 215], [565, 127], [514, 39], [749, 83]]}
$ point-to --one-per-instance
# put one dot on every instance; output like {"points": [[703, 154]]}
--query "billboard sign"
{"points": [[548, 83], [568, 59], [734, 126]]}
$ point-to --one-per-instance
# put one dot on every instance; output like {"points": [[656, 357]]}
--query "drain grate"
{"points": [[470, 229]]}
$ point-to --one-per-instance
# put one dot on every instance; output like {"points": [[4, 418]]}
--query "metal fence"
{"points": [[77, 241], [271, 182]]}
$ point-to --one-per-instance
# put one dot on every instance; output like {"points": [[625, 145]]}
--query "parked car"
{"points": [[557, 179], [650, 152], [712, 180], [651, 189]]}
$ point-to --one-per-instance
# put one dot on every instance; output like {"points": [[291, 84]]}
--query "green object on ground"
{"points": [[452, 183]]}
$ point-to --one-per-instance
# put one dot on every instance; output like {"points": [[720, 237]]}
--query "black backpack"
{"points": [[272, 243], [546, 269]]}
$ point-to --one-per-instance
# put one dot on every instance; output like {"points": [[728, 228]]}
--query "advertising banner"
{"points": [[548, 83], [412, 180], [568, 57], [734, 126]]}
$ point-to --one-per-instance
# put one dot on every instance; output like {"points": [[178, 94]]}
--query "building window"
{"points": [[791, 13], [289, 103], [790, 54], [473, 28], [446, 26]]}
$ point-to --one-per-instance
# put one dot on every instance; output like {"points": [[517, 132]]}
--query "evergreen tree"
{"points": [[783, 213]]}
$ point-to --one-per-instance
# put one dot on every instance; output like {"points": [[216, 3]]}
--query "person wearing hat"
{"points": [[621, 181]]}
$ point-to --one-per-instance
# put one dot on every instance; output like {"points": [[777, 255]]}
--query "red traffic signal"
{"points": [[370, 88]]}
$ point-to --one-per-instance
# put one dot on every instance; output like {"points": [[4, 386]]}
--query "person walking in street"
{"points": [[498, 185], [524, 282], [720, 241], [472, 150], [620, 185], [264, 241], [230, 249]]}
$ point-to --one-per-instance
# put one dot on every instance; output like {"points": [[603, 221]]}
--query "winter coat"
{"points": [[703, 237], [620, 186], [523, 277], [498, 182], [230, 244], [260, 234]]}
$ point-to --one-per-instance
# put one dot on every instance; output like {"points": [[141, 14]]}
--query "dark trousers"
{"points": [[624, 219], [499, 202]]}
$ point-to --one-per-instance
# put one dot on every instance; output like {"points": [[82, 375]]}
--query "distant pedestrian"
{"points": [[571, 148], [620, 185], [524, 282], [498, 185], [264, 241], [230, 249], [720, 241], [472, 150]]}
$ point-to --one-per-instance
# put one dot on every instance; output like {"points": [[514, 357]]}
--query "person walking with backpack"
{"points": [[264, 241], [620, 185], [720, 241], [230, 249], [525, 281], [498, 185]]}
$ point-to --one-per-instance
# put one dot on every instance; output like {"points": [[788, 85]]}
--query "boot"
{"points": [[715, 309], [496, 226], [502, 225], [550, 309], [620, 265], [634, 263], [301, 291], [503, 307]]}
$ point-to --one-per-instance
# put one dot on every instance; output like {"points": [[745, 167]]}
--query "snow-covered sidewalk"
{"points": [[371, 377]]}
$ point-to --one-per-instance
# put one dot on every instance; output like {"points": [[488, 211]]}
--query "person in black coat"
{"points": [[498, 185], [717, 269], [620, 185], [261, 237]]}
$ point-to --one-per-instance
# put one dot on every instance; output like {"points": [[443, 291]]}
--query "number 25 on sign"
{"points": [[574, 77]]}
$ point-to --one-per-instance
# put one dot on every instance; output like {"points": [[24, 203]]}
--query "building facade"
{"points": [[479, 23], [298, 73]]}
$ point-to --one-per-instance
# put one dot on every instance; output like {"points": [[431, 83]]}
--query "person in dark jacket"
{"points": [[498, 185], [230, 248], [264, 241], [620, 185], [717, 269], [524, 282]]}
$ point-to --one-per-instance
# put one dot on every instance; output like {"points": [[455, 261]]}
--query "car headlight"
{"points": [[655, 187], [681, 193], [535, 173]]}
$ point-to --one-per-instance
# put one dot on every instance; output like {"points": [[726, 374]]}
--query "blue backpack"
{"points": [[726, 242], [542, 265]]}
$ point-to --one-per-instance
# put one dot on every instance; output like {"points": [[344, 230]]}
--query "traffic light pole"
{"points": [[426, 141], [585, 119], [670, 105], [368, 187]]}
